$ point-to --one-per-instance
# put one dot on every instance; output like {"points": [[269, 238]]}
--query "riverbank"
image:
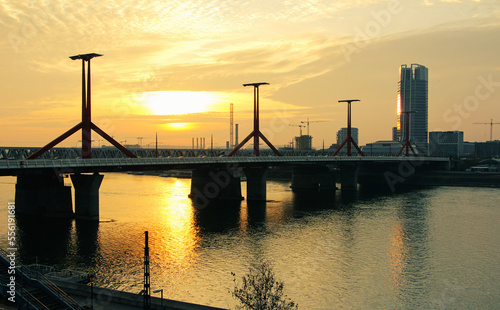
{"points": [[456, 178], [112, 299]]}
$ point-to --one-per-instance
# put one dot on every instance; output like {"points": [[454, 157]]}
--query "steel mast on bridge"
{"points": [[256, 131], [349, 140], [86, 124], [407, 144]]}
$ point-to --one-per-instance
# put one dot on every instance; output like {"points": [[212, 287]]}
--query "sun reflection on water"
{"points": [[398, 257], [178, 235]]}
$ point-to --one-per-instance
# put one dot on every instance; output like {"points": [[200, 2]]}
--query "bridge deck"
{"points": [[15, 167]]}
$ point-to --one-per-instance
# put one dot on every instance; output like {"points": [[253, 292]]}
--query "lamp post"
{"points": [[160, 291]]}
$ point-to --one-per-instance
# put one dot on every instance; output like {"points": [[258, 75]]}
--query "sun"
{"points": [[177, 102], [178, 126]]}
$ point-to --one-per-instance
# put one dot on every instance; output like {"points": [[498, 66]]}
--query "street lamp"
{"points": [[160, 291]]}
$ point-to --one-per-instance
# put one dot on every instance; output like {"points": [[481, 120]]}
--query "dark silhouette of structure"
{"points": [[86, 124], [256, 131], [348, 140], [407, 144], [147, 281]]}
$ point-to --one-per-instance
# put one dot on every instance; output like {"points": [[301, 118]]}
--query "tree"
{"points": [[261, 291]]}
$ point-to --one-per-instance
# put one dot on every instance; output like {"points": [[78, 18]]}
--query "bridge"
{"points": [[40, 188]]}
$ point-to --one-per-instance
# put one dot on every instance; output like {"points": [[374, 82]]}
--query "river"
{"points": [[434, 248]]}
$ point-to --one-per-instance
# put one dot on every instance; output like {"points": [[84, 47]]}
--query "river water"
{"points": [[435, 248]]}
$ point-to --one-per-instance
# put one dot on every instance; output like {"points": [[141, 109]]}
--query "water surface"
{"points": [[430, 248]]}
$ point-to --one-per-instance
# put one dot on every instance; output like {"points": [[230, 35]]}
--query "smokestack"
{"points": [[197, 145], [231, 140], [192, 144], [236, 142]]}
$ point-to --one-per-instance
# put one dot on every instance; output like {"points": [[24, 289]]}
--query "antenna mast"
{"points": [[147, 282]]}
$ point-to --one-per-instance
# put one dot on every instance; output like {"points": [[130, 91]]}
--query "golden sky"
{"points": [[173, 67]]}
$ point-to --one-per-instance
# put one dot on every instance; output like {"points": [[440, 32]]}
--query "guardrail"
{"points": [[54, 289], [25, 272], [31, 300], [13, 167]]}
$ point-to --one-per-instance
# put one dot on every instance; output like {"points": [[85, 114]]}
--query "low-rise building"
{"points": [[382, 148], [446, 144]]}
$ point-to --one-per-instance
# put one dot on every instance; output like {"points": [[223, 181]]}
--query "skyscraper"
{"points": [[413, 98]]}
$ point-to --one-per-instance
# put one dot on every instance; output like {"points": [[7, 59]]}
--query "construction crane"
{"points": [[300, 126], [307, 124], [491, 127]]}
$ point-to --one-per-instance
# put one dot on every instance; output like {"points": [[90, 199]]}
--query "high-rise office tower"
{"points": [[413, 98]]}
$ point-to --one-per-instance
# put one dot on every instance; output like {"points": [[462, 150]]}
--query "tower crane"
{"points": [[307, 124], [491, 127], [300, 126]]}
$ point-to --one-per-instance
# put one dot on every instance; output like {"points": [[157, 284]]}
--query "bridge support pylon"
{"points": [[43, 194], [349, 177], [256, 183], [208, 185], [307, 178], [87, 195]]}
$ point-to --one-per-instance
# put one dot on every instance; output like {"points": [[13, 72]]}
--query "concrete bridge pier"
{"points": [[256, 183], [87, 195], [306, 178], [208, 185], [43, 194], [349, 177]]}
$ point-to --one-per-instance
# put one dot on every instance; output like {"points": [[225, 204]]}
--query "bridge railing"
{"points": [[45, 163], [124, 164]]}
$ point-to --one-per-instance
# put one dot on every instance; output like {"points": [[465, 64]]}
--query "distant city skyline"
{"points": [[174, 67]]}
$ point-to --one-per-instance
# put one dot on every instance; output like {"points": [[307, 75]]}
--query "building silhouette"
{"points": [[413, 98], [488, 149], [446, 144], [303, 142], [342, 135], [382, 148]]}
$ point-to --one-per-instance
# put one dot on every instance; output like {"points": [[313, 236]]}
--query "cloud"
{"points": [[216, 45]]}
